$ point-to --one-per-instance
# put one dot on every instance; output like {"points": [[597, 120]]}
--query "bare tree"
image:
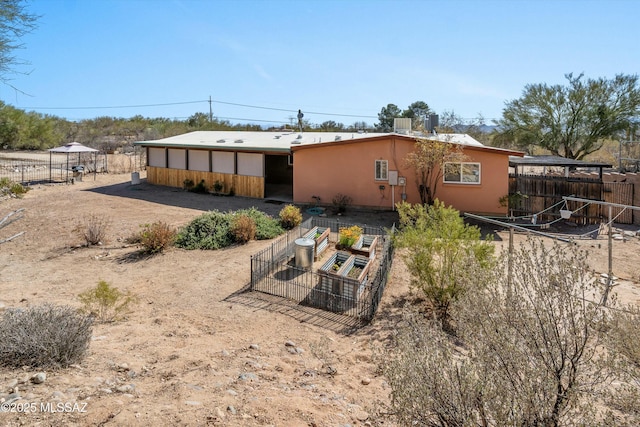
{"points": [[428, 160]]}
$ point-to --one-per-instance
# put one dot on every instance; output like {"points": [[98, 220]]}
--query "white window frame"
{"points": [[461, 176], [381, 170]]}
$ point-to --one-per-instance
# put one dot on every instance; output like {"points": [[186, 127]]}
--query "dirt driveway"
{"points": [[195, 351]]}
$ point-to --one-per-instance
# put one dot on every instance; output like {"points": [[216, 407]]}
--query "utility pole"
{"points": [[210, 110]]}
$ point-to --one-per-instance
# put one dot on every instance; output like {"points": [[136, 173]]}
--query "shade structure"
{"points": [[73, 147]]}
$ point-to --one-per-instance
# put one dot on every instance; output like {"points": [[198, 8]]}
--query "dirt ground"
{"points": [[196, 350]]}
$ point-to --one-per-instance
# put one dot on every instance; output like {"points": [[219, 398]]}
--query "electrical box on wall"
{"points": [[402, 180], [393, 177]]}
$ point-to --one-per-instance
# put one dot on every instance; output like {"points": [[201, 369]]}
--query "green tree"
{"points": [[417, 112], [331, 126], [570, 121], [15, 22], [386, 116]]}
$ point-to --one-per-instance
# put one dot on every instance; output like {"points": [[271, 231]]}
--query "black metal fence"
{"points": [[30, 171], [273, 272]]}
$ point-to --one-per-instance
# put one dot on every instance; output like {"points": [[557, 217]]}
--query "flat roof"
{"points": [[554, 161], [282, 141]]}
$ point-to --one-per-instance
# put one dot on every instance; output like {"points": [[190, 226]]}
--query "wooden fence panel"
{"points": [[620, 193], [249, 186], [541, 192]]}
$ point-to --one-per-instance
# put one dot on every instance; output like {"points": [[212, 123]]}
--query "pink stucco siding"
{"points": [[348, 167]]}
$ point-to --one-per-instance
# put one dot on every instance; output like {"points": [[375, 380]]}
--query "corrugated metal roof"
{"points": [[281, 141]]}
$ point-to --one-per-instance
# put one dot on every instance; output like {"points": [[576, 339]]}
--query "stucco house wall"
{"points": [[348, 167]]}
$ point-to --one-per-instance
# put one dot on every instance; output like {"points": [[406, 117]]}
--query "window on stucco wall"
{"points": [[462, 173], [382, 170]]}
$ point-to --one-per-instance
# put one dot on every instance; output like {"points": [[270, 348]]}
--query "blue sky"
{"points": [[346, 59]]}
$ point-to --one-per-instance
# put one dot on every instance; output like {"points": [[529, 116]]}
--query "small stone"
{"points": [[289, 344], [122, 367], [192, 402], [361, 416], [12, 383], [292, 350], [254, 347], [299, 350], [127, 388], [232, 392], [39, 378], [366, 381], [219, 413], [224, 353], [106, 390], [232, 410], [248, 376]]}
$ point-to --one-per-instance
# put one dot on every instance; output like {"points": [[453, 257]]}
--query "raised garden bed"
{"points": [[365, 246], [321, 236], [342, 279]]}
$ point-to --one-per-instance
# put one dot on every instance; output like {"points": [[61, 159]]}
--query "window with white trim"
{"points": [[382, 170], [462, 173]]}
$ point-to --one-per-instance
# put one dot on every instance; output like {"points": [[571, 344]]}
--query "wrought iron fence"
{"points": [[31, 171], [274, 272]]}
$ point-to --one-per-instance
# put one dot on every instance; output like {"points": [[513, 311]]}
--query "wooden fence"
{"points": [[540, 192]]}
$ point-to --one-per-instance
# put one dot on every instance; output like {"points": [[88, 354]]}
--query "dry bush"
{"points": [[530, 349], [44, 336], [94, 229], [243, 228], [155, 238], [290, 217], [107, 303]]}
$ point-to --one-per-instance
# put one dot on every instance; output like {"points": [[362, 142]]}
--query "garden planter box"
{"points": [[321, 236], [356, 276], [365, 246], [338, 285]]}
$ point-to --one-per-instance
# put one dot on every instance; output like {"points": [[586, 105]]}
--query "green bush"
{"points": [[290, 217], [208, 231], [9, 187], [215, 229], [267, 227], [243, 228], [107, 303], [156, 237], [44, 336], [200, 187]]}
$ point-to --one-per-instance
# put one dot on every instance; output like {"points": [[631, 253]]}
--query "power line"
{"points": [[210, 101]]}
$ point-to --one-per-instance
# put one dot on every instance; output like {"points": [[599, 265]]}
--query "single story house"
{"points": [[314, 167]]}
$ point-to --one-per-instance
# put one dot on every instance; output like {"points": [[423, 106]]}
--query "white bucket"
{"points": [[565, 214], [135, 178]]}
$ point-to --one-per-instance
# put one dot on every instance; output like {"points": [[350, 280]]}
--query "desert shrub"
{"points": [[349, 235], [44, 336], [443, 253], [267, 227], [530, 350], [107, 303], [208, 231], [290, 217], [94, 229], [13, 188], [217, 186], [341, 202], [200, 187], [188, 184], [243, 228], [156, 237]]}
